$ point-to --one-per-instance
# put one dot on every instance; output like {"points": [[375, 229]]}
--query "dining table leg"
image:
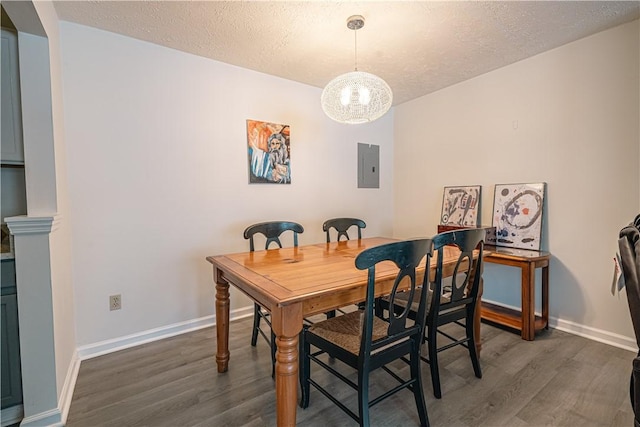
{"points": [[222, 321], [287, 323]]}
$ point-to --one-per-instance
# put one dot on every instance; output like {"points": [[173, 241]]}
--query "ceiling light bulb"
{"points": [[345, 96], [365, 96]]}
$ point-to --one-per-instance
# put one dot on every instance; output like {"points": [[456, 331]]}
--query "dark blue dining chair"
{"points": [[365, 342], [272, 231], [341, 225], [456, 302]]}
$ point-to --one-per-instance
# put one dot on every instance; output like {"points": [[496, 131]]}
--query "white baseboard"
{"points": [[66, 394], [11, 415], [606, 337], [116, 344], [50, 418]]}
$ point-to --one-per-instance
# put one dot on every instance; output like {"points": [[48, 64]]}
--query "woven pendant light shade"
{"points": [[356, 97]]}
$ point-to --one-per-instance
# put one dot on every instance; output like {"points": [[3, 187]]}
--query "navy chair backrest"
{"points": [[272, 231], [461, 291], [407, 256], [342, 225]]}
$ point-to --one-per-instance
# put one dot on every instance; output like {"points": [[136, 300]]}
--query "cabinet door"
{"points": [[10, 352], [12, 146]]}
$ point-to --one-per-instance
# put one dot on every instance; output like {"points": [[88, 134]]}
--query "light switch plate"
{"points": [[368, 166]]}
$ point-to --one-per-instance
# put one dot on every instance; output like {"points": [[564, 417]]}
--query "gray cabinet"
{"points": [[10, 341], [13, 203], [12, 145]]}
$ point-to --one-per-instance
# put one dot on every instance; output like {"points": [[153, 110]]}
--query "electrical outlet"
{"points": [[115, 302]]}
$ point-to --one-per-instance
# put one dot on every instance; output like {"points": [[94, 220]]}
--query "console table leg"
{"points": [[528, 302], [545, 296]]}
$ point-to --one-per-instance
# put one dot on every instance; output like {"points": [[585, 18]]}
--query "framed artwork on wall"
{"points": [[269, 153], [461, 206], [517, 215]]}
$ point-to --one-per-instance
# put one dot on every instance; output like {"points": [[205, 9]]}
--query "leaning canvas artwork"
{"points": [[268, 153], [517, 215], [460, 206]]}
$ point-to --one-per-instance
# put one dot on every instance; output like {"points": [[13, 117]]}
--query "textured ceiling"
{"points": [[418, 47]]}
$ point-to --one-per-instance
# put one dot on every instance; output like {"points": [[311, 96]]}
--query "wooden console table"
{"points": [[527, 261], [525, 321]]}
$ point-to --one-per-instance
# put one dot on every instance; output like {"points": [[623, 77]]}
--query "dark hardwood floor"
{"points": [[557, 380]]}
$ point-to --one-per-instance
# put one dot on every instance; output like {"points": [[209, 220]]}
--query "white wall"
{"points": [[568, 117], [157, 165]]}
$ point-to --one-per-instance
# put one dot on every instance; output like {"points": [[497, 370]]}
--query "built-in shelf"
{"points": [[12, 151], [508, 317]]}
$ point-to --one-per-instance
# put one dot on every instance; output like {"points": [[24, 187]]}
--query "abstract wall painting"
{"points": [[269, 153], [461, 206], [517, 215]]}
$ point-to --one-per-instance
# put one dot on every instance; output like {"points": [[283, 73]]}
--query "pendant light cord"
{"points": [[355, 37]]}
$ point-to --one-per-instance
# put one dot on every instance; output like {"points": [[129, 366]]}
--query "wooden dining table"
{"points": [[298, 282]]}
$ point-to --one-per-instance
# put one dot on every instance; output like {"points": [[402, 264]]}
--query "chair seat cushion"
{"points": [[345, 331], [402, 298]]}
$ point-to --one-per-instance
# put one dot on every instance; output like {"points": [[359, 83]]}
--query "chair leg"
{"points": [[363, 396], [378, 309], [418, 392], [305, 370], [331, 314], [471, 344], [256, 324], [433, 360], [632, 390]]}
